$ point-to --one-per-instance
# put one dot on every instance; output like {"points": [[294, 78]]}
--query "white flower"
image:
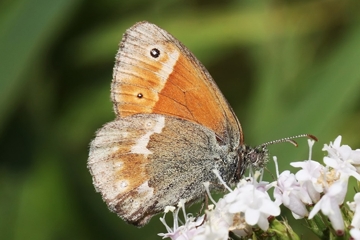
{"points": [[260, 185], [343, 167], [333, 148], [219, 220], [289, 192], [217, 224], [239, 226], [308, 177], [329, 204], [355, 233], [355, 207], [255, 204], [309, 174], [248, 204], [187, 231], [343, 153]]}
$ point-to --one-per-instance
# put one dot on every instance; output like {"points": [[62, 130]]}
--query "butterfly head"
{"points": [[254, 157], [257, 157]]}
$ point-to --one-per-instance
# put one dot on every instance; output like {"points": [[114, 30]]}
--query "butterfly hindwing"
{"points": [[143, 163]]}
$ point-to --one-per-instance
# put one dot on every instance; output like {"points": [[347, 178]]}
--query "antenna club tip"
{"points": [[312, 137]]}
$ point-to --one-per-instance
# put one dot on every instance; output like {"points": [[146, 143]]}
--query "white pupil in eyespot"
{"points": [[155, 53]]}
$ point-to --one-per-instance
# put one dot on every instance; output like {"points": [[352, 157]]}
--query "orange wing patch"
{"points": [[188, 97]]}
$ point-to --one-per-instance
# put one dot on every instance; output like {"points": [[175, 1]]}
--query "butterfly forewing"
{"points": [[172, 83]]}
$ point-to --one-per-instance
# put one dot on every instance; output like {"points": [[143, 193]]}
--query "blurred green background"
{"points": [[286, 67]]}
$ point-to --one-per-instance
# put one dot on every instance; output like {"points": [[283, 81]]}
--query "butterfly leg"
{"points": [[206, 204]]}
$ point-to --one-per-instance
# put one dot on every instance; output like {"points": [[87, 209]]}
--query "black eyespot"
{"points": [[140, 95], [155, 53]]}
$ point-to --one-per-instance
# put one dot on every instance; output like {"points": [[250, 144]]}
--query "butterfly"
{"points": [[173, 126]]}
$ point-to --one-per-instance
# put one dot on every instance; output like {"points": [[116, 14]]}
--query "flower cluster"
{"points": [[313, 192]]}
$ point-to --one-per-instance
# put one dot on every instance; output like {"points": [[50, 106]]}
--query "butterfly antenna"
{"points": [[290, 140]]}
